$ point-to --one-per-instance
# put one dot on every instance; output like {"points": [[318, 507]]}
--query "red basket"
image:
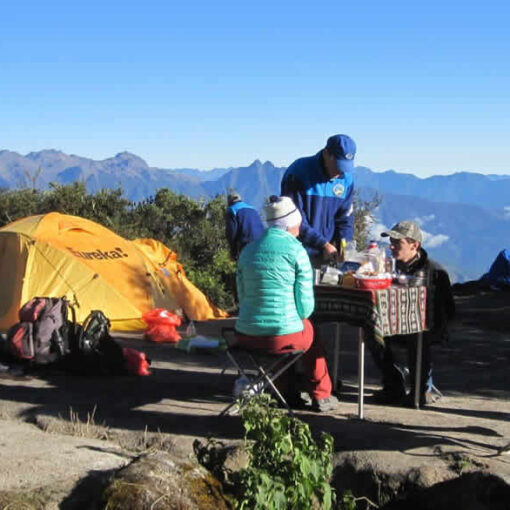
{"points": [[372, 283]]}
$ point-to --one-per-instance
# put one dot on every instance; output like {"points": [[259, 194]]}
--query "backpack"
{"points": [[44, 332], [95, 328], [93, 350]]}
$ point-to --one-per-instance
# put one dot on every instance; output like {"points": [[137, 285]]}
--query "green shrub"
{"points": [[287, 468]]}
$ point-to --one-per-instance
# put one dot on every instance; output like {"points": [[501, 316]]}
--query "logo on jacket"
{"points": [[338, 190]]}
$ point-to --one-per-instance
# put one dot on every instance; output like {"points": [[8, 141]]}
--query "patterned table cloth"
{"points": [[397, 310]]}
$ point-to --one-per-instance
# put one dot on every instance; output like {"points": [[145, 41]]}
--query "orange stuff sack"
{"points": [[161, 326], [135, 361]]}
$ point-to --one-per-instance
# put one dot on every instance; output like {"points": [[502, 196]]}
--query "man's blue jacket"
{"points": [[325, 204], [242, 225]]}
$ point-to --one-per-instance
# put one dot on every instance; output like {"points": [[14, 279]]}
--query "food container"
{"points": [[372, 282], [330, 275], [348, 281]]}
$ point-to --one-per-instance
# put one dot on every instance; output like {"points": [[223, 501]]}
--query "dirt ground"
{"points": [[186, 392]]}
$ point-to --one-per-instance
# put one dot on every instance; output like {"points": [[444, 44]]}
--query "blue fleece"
{"points": [[242, 225], [325, 204]]}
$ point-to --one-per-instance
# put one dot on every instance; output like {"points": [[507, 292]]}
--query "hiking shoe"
{"points": [[295, 401], [430, 397], [325, 405], [387, 398], [427, 398]]}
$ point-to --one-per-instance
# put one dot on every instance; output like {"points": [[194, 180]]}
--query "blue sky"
{"points": [[423, 87]]}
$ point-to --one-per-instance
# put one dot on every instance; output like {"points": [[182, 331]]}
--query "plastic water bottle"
{"points": [[373, 255], [240, 385], [381, 261], [243, 387], [391, 265], [191, 330]]}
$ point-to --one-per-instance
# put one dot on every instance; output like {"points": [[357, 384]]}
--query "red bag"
{"points": [[135, 361], [161, 325]]}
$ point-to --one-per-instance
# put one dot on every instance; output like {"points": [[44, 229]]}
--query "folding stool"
{"points": [[259, 368]]}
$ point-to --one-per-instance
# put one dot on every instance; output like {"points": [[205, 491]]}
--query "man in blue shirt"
{"points": [[322, 188], [242, 224]]}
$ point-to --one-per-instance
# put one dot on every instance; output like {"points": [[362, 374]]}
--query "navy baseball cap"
{"points": [[344, 150]]}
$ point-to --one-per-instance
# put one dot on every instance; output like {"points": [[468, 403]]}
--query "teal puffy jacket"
{"points": [[274, 285]]}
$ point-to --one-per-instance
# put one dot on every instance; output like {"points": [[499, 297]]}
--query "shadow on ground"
{"points": [[185, 394]]}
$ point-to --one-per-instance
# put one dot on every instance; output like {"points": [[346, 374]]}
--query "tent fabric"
{"points": [[60, 255], [195, 304], [499, 272]]}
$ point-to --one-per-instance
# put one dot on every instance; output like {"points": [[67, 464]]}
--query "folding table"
{"points": [[397, 310]]}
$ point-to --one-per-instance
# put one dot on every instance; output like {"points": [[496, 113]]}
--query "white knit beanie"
{"points": [[281, 212]]}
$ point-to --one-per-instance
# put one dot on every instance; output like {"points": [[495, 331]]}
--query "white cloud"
{"points": [[506, 212], [425, 219], [434, 240], [375, 230], [430, 240]]}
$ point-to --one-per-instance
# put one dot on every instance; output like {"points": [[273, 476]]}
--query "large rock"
{"points": [[32, 458], [381, 476], [473, 491], [159, 480]]}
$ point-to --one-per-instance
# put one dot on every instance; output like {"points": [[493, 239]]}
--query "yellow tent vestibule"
{"points": [[61, 255]]}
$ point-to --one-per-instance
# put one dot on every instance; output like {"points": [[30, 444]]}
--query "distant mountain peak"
{"points": [[126, 158], [256, 164], [53, 153], [126, 154]]}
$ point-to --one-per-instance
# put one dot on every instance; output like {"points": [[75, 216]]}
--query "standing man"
{"points": [[322, 188], [242, 224], [412, 260]]}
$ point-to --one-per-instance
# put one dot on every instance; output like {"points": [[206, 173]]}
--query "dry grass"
{"points": [[75, 426], [130, 441], [87, 428], [40, 498], [145, 442]]}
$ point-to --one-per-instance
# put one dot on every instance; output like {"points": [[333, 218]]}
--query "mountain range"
{"points": [[465, 216]]}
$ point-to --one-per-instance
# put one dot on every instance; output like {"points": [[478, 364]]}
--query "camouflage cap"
{"points": [[405, 230]]}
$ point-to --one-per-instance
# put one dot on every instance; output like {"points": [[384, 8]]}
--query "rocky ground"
{"points": [[64, 435]]}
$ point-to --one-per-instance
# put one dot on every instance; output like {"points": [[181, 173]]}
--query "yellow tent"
{"points": [[194, 303], [60, 255]]}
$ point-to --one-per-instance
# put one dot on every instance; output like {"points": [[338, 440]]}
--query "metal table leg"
{"points": [[417, 380], [336, 359], [361, 371]]}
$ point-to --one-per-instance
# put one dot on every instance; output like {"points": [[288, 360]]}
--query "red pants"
{"points": [[314, 362]]}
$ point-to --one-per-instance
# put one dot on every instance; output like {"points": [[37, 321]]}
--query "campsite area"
{"points": [[61, 433]]}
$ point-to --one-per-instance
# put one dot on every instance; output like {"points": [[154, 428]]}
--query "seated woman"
{"points": [[275, 289]]}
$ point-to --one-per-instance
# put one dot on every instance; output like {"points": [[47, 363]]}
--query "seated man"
{"points": [[411, 259], [275, 289]]}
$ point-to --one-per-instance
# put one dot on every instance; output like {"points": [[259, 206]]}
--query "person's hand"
{"points": [[329, 253], [342, 247]]}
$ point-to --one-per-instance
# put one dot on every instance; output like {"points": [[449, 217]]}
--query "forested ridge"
{"points": [[194, 229]]}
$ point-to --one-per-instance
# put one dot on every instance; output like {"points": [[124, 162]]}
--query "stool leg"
{"points": [[227, 409], [270, 382]]}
